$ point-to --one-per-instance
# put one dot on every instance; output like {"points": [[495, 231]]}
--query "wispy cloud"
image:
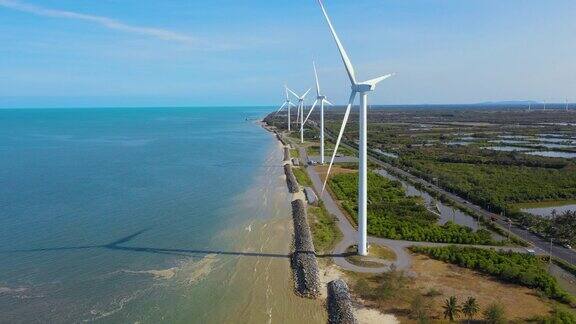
{"points": [[110, 23]]}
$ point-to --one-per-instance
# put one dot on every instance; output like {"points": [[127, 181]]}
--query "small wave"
{"points": [[189, 270], [157, 274], [199, 270], [116, 306], [13, 291]]}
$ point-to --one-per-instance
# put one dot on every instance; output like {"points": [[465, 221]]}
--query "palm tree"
{"points": [[470, 308], [451, 308]]}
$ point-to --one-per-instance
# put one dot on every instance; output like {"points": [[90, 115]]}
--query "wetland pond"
{"points": [[545, 209], [444, 212]]}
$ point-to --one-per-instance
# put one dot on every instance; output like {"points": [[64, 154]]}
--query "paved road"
{"points": [[350, 234], [541, 246]]}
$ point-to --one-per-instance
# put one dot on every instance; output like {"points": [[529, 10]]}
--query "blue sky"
{"points": [[230, 52]]}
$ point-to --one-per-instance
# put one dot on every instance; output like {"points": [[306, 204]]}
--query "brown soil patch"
{"points": [[323, 169], [451, 280]]}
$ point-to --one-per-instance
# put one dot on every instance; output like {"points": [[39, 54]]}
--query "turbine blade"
{"points": [[291, 104], [292, 92], [317, 82], [311, 110], [343, 54], [286, 91], [375, 81], [346, 115], [282, 107], [328, 102], [307, 92]]}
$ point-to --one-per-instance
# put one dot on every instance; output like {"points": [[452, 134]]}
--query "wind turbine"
{"points": [[566, 104], [288, 104], [319, 99], [301, 111], [361, 88]]}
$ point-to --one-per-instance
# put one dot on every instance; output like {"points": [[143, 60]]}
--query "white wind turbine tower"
{"points": [[288, 104], [361, 88], [300, 111], [320, 99]]}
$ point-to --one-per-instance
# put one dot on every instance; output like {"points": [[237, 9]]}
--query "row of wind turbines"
{"points": [[545, 104], [358, 88], [301, 121]]}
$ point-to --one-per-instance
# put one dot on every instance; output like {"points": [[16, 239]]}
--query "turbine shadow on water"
{"points": [[116, 246]]}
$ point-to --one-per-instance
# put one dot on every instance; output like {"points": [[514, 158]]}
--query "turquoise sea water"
{"points": [[92, 201]]}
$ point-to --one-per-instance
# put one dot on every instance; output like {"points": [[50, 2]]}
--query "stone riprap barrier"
{"points": [[340, 303], [279, 137], [304, 262], [286, 154], [293, 186]]}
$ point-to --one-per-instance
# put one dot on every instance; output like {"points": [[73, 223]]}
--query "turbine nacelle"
{"points": [[369, 85], [363, 87]]}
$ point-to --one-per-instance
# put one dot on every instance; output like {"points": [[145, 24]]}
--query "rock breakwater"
{"points": [[304, 262]]}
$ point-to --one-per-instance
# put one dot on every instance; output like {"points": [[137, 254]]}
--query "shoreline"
{"points": [[265, 279], [330, 273]]}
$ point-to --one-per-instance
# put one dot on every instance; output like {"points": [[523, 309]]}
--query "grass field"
{"points": [[324, 229], [302, 177]]}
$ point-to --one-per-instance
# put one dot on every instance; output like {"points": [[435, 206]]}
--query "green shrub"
{"points": [[392, 214], [523, 269]]}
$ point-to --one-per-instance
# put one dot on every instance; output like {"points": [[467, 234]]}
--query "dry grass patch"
{"points": [[323, 170], [447, 280], [377, 257], [434, 282]]}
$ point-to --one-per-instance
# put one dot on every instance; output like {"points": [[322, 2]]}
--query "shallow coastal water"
{"points": [[144, 215]]}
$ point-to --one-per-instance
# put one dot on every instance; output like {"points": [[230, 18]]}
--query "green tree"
{"points": [[495, 314], [451, 308], [470, 308]]}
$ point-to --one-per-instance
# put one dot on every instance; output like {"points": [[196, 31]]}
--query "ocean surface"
{"points": [[143, 215]]}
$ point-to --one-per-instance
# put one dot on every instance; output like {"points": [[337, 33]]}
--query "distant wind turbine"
{"points": [[301, 111], [321, 100], [288, 104], [544, 105], [566, 104], [362, 88]]}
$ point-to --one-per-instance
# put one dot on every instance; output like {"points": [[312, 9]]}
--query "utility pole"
{"points": [[550, 253]]}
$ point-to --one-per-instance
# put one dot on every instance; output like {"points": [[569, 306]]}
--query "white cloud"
{"points": [[110, 23]]}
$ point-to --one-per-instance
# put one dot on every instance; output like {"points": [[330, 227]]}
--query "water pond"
{"points": [[546, 209], [506, 148], [445, 212], [566, 155]]}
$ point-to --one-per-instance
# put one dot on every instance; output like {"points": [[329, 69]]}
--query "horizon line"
{"points": [[492, 104]]}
